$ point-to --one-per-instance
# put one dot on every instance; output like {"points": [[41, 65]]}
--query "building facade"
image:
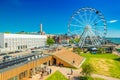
{"points": [[23, 68], [14, 42]]}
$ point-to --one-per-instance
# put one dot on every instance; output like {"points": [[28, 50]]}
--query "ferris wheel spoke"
{"points": [[92, 21], [98, 28], [97, 32], [90, 17], [78, 21], [86, 17], [75, 25], [81, 17], [98, 21]]}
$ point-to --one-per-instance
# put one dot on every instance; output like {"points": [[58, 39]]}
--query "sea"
{"points": [[114, 40]]}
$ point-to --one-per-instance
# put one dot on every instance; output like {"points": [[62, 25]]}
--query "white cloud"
{"points": [[113, 21]]}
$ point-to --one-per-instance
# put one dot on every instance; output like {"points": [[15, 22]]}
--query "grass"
{"points": [[104, 64], [57, 76]]}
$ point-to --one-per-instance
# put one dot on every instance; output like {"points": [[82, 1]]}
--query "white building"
{"points": [[14, 42]]}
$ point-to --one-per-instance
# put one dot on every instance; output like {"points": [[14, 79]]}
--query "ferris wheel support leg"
{"points": [[92, 40]]}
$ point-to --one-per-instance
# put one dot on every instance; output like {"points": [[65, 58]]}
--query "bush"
{"points": [[87, 69]]}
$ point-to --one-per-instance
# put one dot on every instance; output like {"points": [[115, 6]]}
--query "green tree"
{"points": [[50, 41], [77, 40], [101, 50], [77, 50], [87, 69], [7, 32], [71, 41]]}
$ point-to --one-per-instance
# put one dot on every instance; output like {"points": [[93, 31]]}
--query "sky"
{"points": [[26, 15]]}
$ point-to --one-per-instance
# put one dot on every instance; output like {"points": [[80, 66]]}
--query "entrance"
{"points": [[49, 63], [54, 61], [31, 73]]}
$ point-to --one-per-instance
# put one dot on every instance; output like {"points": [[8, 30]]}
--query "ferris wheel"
{"points": [[90, 25]]}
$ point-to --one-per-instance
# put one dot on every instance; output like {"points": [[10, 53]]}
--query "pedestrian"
{"points": [[47, 70], [69, 77], [73, 61], [71, 71], [50, 71], [41, 75]]}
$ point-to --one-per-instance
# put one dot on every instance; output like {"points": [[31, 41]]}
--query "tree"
{"points": [[77, 50], [77, 40], [50, 41], [101, 50], [7, 32], [71, 41], [87, 69]]}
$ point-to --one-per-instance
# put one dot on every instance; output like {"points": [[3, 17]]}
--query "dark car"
{"points": [[17, 51], [11, 53], [7, 57], [2, 54]]}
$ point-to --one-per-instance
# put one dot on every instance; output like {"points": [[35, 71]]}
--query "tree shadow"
{"points": [[117, 59], [80, 78]]}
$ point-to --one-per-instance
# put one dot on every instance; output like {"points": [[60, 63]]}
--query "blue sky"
{"points": [[26, 15]]}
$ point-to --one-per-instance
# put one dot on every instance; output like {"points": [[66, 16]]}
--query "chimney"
{"points": [[40, 28]]}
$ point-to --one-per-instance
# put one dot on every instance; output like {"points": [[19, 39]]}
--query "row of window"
{"points": [[16, 44], [14, 78], [23, 46], [21, 75], [25, 39]]}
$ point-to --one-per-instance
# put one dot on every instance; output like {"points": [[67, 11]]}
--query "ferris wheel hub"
{"points": [[87, 27]]}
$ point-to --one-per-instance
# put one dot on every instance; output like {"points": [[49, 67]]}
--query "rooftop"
{"points": [[7, 65]]}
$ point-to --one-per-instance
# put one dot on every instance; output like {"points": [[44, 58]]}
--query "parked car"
{"points": [[2, 54], [7, 58], [11, 52], [17, 51]]}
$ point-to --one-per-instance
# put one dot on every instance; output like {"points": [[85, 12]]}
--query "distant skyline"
{"points": [[26, 15]]}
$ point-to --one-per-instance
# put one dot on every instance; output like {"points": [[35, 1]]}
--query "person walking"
{"points": [[73, 61], [50, 70], [71, 71]]}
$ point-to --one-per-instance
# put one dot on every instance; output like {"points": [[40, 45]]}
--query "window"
{"points": [[25, 73], [6, 45], [18, 47], [14, 78]]}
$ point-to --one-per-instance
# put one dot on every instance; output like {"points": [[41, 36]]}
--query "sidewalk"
{"points": [[104, 77], [38, 76], [67, 73]]}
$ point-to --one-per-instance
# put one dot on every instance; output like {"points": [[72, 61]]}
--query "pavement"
{"points": [[38, 76], [104, 77], [67, 73]]}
